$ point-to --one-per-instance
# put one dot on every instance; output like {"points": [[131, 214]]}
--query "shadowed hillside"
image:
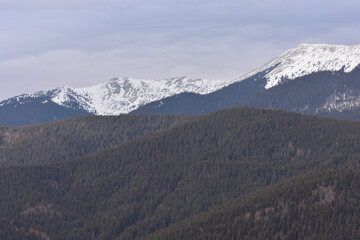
{"points": [[319, 205], [147, 184]]}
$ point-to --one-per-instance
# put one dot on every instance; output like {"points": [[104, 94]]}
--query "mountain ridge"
{"points": [[67, 139], [120, 95], [306, 59], [183, 95], [327, 74]]}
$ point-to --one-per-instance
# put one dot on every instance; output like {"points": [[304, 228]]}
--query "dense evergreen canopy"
{"points": [[152, 182], [319, 205], [68, 139]]}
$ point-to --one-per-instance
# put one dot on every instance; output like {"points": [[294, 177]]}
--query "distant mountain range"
{"points": [[310, 78], [113, 97], [314, 79]]}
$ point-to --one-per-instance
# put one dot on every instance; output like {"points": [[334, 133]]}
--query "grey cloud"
{"points": [[158, 38]]}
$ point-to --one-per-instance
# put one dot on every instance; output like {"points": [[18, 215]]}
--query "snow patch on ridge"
{"points": [[342, 101], [123, 95], [306, 59]]}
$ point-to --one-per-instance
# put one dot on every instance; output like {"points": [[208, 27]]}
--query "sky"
{"points": [[52, 43]]}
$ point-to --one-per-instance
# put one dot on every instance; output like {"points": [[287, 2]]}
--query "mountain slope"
{"points": [[145, 185], [306, 59], [113, 97], [339, 64], [26, 110], [191, 103], [318, 205], [332, 94], [68, 139]]}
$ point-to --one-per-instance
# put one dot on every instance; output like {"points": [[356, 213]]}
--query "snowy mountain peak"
{"points": [[123, 95], [306, 59]]}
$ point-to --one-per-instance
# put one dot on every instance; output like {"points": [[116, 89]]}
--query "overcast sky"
{"points": [[50, 43]]}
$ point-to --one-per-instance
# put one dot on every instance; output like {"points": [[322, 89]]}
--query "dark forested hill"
{"points": [[319, 205], [63, 140], [147, 184]]}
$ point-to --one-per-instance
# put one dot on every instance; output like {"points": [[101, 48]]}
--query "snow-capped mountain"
{"points": [[123, 95], [310, 78], [306, 59], [113, 97]]}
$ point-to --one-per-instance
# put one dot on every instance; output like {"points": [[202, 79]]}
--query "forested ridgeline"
{"points": [[63, 140], [319, 205], [147, 184]]}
